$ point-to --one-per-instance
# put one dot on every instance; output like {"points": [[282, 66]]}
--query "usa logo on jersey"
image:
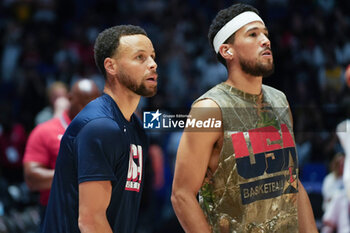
{"points": [[134, 178], [271, 152]]}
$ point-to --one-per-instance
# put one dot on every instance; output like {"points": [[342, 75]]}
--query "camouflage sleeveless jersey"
{"points": [[255, 185]]}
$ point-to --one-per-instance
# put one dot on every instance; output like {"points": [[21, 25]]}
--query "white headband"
{"points": [[232, 26]]}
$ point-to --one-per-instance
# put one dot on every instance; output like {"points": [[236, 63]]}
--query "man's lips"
{"points": [[152, 78], [267, 52]]}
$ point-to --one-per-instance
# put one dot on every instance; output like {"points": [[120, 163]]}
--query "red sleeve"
{"points": [[36, 148]]}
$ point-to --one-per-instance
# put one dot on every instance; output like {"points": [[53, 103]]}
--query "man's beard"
{"points": [[256, 68], [140, 89]]}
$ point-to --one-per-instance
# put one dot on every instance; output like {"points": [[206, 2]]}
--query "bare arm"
{"points": [[193, 159], [305, 214], [94, 198], [37, 176]]}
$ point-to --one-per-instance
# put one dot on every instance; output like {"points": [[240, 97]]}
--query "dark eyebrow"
{"points": [[257, 28], [144, 51]]}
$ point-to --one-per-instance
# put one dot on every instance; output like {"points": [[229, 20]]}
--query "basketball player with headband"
{"points": [[246, 173]]}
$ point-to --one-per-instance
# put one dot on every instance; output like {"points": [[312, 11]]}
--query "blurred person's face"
{"points": [[253, 49], [58, 92], [136, 66], [82, 92]]}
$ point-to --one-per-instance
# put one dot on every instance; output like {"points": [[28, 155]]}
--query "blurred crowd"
{"points": [[45, 41]]}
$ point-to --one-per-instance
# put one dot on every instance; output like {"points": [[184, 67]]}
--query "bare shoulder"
{"points": [[206, 103], [206, 108]]}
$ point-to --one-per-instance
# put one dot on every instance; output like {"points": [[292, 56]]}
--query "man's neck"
{"points": [[126, 100], [245, 82]]}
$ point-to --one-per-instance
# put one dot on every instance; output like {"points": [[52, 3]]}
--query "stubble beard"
{"points": [[139, 89], [257, 68]]}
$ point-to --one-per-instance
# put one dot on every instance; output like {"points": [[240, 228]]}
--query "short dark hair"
{"points": [[223, 17], [107, 42]]}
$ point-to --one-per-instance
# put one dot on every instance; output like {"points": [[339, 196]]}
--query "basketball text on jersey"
{"points": [[270, 153], [133, 182]]}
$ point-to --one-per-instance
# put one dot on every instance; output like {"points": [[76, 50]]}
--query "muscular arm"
{"points": [[193, 159], [94, 198], [98, 153], [305, 215], [37, 176]]}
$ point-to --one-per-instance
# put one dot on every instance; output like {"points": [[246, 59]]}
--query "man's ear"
{"points": [[110, 66], [226, 52]]}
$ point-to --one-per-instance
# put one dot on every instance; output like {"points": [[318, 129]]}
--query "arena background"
{"points": [[43, 41]]}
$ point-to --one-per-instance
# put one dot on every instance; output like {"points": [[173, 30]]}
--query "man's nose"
{"points": [[265, 42], [152, 64]]}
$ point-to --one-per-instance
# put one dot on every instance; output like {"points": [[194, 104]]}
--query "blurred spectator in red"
{"points": [[44, 141]]}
